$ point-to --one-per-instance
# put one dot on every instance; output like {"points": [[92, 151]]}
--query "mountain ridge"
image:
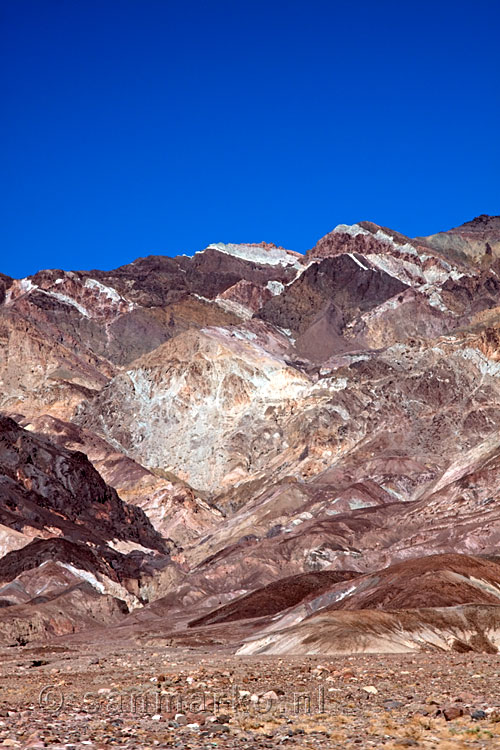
{"points": [[184, 432]]}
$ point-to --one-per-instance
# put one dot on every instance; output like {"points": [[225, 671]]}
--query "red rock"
{"points": [[452, 712]]}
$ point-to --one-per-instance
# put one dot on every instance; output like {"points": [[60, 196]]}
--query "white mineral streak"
{"points": [[18, 288], [484, 365], [352, 229], [423, 272], [84, 575], [108, 291], [26, 286], [275, 287], [103, 586], [271, 256], [229, 305], [361, 265], [69, 301]]}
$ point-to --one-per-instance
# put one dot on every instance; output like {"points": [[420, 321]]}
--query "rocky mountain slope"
{"points": [[228, 437]]}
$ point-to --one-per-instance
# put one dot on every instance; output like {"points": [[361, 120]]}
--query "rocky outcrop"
{"points": [[61, 527], [197, 406], [478, 240], [175, 510], [44, 486]]}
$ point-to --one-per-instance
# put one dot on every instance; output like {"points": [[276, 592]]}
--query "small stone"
{"points": [[478, 715], [320, 670], [452, 712], [370, 689], [219, 728], [348, 674], [391, 705]]}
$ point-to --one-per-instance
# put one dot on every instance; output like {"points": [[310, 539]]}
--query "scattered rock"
{"points": [[478, 715], [451, 712]]}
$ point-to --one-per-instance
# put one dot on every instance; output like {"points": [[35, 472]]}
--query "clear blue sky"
{"points": [[132, 127]]}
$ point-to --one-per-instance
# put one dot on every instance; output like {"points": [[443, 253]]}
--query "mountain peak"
{"points": [[481, 223]]}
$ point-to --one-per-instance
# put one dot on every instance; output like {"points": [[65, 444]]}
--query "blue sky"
{"points": [[133, 127]]}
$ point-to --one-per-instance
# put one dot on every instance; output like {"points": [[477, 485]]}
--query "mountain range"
{"points": [[255, 449]]}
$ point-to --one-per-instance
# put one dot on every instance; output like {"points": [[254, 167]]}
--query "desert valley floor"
{"points": [[76, 696]]}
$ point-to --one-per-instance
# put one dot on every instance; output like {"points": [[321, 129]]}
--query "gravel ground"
{"points": [[87, 697]]}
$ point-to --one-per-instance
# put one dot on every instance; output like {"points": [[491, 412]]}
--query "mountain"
{"points": [[257, 437], [66, 535], [478, 240]]}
